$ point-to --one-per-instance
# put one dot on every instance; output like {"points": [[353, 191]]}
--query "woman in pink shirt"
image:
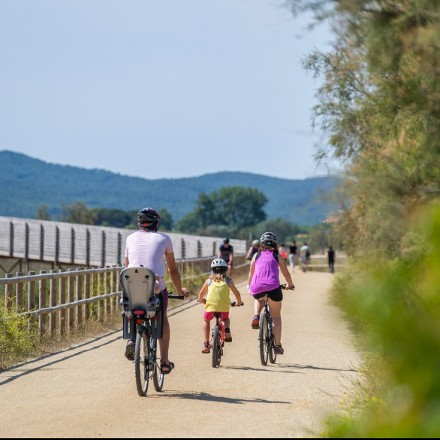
{"points": [[264, 277]]}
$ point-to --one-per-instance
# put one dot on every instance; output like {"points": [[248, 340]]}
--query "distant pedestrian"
{"points": [[282, 251], [253, 250], [305, 256], [293, 249], [331, 259]]}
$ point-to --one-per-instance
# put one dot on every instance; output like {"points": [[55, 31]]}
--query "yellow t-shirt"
{"points": [[217, 298]]}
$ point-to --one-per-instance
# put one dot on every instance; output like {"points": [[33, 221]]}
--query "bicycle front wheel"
{"points": [[158, 376], [216, 349], [264, 339], [141, 364]]}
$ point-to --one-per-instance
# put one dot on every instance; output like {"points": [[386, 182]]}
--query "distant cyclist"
{"points": [[252, 250], [264, 277], [148, 248], [305, 256], [215, 295], [226, 252]]}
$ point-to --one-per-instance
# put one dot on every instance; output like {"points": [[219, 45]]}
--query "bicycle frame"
{"points": [[266, 336], [143, 320], [217, 340]]}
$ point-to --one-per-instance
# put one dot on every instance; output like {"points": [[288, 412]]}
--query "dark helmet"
{"points": [[269, 239], [226, 240], [148, 218]]}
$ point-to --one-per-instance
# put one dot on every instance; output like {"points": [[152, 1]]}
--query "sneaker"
{"points": [[228, 336], [129, 350], [256, 322], [278, 349], [206, 347]]}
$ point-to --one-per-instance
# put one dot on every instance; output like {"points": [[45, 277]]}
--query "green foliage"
{"points": [[395, 307], [17, 337], [232, 207]]}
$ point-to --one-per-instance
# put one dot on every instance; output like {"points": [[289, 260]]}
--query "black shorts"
{"points": [[275, 295]]}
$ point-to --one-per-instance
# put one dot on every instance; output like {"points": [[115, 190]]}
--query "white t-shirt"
{"points": [[147, 249]]}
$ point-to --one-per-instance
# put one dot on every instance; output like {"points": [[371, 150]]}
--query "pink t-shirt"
{"points": [[147, 249]]}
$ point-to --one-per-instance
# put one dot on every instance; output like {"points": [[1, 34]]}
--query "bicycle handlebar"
{"points": [[234, 304], [284, 287]]}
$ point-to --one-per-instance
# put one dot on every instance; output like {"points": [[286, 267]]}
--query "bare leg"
{"points": [[275, 311], [164, 343], [206, 329]]}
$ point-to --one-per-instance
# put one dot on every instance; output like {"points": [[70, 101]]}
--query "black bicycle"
{"points": [[218, 338], [147, 351], [143, 311], [266, 335]]}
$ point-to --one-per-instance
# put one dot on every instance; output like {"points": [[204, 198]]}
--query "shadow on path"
{"points": [[218, 399], [22, 369]]}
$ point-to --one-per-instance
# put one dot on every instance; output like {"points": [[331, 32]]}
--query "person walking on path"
{"points": [[264, 278], [331, 259], [148, 248], [293, 249], [305, 256]]}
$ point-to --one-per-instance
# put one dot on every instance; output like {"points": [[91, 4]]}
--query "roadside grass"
{"points": [[393, 307]]}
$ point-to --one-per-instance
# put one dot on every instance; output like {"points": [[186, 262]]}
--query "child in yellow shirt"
{"points": [[215, 295]]}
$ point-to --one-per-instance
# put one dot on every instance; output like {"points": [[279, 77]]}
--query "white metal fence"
{"points": [[90, 246]]}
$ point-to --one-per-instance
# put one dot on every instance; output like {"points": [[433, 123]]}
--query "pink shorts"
{"points": [[208, 316]]}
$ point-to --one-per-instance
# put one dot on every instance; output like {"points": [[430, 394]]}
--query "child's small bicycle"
{"points": [[218, 338]]}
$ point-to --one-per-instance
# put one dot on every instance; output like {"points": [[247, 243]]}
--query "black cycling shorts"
{"points": [[275, 295]]}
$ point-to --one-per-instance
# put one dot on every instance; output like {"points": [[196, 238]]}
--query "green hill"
{"points": [[27, 183]]}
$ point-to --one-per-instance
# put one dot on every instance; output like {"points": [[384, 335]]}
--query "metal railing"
{"points": [[59, 302]]}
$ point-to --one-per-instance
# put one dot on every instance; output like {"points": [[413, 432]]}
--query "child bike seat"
{"points": [[138, 289]]}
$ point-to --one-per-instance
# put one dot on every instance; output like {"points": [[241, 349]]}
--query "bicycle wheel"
{"points": [[264, 339], [216, 349], [158, 376], [271, 343], [141, 351]]}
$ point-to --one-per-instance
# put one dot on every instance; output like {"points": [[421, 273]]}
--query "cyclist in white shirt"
{"points": [[148, 248]]}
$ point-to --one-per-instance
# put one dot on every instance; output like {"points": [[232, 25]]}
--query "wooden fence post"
{"points": [[41, 305]]}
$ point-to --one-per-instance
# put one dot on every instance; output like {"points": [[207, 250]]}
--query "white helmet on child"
{"points": [[218, 262]]}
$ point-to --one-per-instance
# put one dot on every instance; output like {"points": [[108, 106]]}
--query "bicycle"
{"points": [[266, 335], [218, 338], [144, 307]]}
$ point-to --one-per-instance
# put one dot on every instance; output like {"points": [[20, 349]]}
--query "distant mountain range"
{"points": [[27, 183]]}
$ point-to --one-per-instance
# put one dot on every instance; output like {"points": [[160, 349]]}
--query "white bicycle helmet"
{"points": [[255, 243], [218, 262], [269, 238]]}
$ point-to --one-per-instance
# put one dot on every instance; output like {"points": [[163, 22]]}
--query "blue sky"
{"points": [[159, 88]]}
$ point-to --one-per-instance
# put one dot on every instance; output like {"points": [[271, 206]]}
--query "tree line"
{"points": [[236, 212]]}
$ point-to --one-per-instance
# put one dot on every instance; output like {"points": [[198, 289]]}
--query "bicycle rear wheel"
{"points": [[271, 344], [216, 349], [264, 339], [141, 364], [158, 376]]}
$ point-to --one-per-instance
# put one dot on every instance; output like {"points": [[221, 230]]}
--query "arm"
{"points": [[236, 293], [203, 292], [251, 270], [285, 272], [175, 275], [126, 261]]}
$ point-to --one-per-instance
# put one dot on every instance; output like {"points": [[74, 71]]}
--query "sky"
{"points": [[160, 88]]}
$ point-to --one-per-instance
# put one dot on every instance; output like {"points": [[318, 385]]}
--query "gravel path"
{"points": [[89, 390]]}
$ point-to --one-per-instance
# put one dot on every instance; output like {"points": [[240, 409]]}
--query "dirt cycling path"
{"points": [[89, 390]]}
